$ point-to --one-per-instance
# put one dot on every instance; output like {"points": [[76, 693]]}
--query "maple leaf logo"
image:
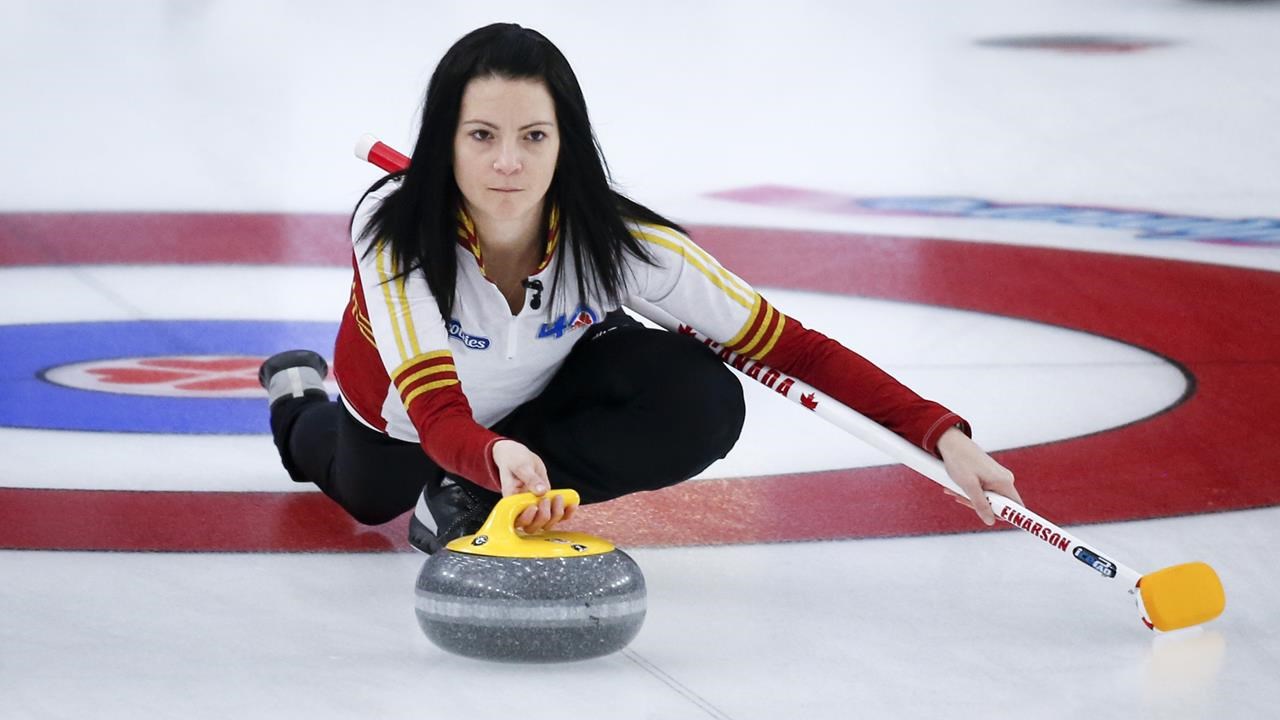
{"points": [[184, 373], [810, 401], [188, 376], [686, 330]]}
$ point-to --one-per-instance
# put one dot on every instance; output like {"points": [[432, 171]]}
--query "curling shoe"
{"points": [[447, 509], [293, 373]]}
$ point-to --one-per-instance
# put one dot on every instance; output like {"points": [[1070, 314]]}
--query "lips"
{"points": [[506, 190]]}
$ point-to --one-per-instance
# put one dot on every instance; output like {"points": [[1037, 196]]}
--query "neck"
{"points": [[511, 248]]}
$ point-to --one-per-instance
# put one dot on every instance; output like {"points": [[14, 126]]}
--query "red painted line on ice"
{"points": [[205, 521], [1215, 451], [100, 238]]}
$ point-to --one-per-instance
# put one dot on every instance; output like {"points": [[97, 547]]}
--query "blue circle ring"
{"points": [[27, 352]]}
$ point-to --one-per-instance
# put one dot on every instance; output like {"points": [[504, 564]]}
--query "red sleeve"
{"points": [[433, 397], [858, 383]]}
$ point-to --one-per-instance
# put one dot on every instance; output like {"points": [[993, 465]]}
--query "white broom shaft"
{"points": [[893, 445], [834, 412], [917, 459]]}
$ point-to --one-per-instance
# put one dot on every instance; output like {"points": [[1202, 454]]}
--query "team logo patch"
{"points": [[475, 342], [582, 317]]}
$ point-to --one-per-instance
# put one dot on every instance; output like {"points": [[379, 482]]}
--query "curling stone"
{"points": [[548, 597]]}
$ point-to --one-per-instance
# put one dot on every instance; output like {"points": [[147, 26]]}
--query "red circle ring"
{"points": [[1214, 451]]}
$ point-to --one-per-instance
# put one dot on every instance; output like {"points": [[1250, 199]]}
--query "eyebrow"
{"points": [[486, 123]]}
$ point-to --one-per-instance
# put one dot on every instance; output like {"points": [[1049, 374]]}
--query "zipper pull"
{"points": [[536, 286]]}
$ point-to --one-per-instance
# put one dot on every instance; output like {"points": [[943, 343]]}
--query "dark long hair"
{"points": [[419, 219]]}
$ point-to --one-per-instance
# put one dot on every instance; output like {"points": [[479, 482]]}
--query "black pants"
{"points": [[631, 409]]}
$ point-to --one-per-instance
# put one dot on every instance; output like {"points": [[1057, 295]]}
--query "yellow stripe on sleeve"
{"points": [[764, 328], [408, 317], [386, 295], [417, 360], [773, 339], [703, 255], [368, 334], [428, 388], [434, 370], [732, 293], [755, 311], [362, 322]]}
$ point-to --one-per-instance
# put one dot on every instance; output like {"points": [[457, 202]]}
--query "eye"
{"points": [[480, 135], [537, 136]]}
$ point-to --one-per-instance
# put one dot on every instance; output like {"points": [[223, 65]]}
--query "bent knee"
{"points": [[702, 410], [723, 408], [709, 392]]}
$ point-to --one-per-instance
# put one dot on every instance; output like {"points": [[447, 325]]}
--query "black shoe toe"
{"points": [[291, 358], [459, 509]]}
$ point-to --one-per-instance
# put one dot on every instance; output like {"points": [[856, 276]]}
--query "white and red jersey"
{"points": [[404, 370]]}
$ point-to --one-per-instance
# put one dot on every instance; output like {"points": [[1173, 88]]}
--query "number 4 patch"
{"points": [[582, 317]]}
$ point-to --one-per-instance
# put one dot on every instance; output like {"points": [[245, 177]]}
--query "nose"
{"points": [[508, 160]]}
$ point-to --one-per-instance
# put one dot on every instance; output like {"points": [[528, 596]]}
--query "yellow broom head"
{"points": [[1181, 596]]}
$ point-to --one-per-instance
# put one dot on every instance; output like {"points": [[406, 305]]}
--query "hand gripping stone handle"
{"points": [[1175, 597], [502, 519]]}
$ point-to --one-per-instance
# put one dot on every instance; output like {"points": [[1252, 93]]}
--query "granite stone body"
{"points": [[530, 609]]}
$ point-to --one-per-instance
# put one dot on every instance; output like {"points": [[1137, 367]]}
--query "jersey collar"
{"points": [[468, 240]]}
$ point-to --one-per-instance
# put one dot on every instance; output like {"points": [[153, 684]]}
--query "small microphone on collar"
{"points": [[536, 287]]}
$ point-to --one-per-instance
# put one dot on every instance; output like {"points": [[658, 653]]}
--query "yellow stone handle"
{"points": [[498, 536], [502, 520]]}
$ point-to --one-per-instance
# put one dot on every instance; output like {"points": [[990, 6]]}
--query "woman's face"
{"points": [[505, 148]]}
